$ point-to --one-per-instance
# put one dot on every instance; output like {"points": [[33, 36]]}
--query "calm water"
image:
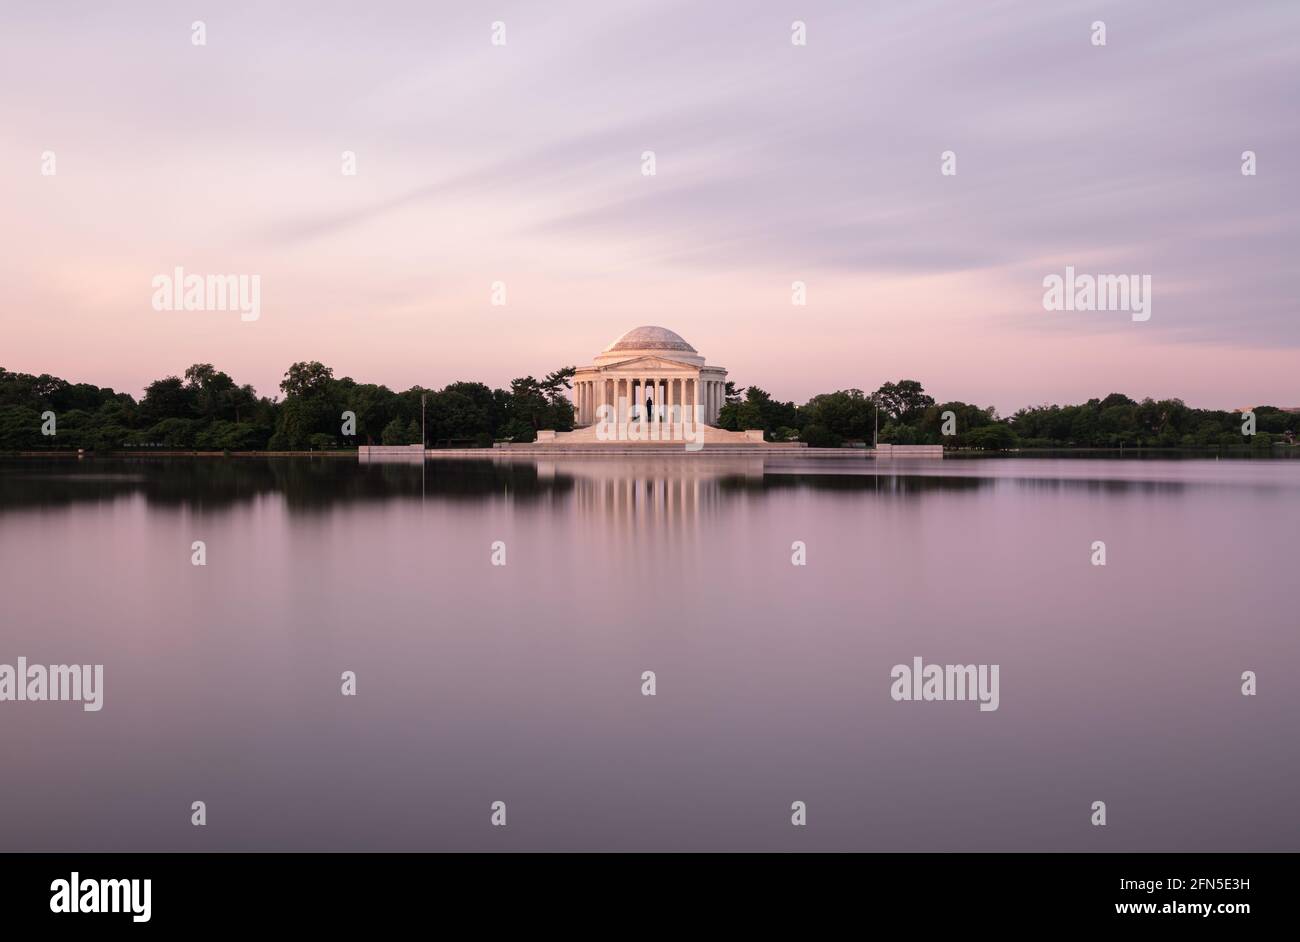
{"points": [[522, 683]]}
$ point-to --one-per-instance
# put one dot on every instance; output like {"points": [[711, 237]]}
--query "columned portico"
{"points": [[652, 376]]}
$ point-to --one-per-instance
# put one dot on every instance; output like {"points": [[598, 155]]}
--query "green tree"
{"points": [[755, 410], [847, 414], [395, 432], [903, 401], [995, 437], [307, 380], [310, 406], [819, 436], [167, 398]]}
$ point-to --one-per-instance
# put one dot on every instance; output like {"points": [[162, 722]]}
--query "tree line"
{"points": [[902, 413], [205, 409]]}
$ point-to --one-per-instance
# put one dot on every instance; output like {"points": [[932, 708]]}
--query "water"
{"points": [[478, 683]]}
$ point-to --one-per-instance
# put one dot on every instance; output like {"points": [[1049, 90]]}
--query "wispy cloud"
{"points": [[522, 163]]}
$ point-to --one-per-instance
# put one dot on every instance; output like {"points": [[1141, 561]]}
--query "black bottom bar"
{"points": [[661, 893]]}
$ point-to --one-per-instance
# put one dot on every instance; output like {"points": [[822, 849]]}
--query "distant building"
{"points": [[649, 365]]}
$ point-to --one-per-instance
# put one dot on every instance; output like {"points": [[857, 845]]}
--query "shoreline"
{"points": [[770, 449]]}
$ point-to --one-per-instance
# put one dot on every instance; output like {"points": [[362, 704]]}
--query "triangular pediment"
{"points": [[662, 364]]}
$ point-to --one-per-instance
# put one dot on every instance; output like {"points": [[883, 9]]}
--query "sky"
{"points": [[522, 163]]}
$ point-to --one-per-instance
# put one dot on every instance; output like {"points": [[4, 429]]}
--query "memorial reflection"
{"points": [[619, 490]]}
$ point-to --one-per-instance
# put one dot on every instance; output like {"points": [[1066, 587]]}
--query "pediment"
{"points": [[657, 363]]}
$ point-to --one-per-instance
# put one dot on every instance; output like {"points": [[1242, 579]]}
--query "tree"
{"points": [[231, 436], [533, 405], [556, 384], [174, 432], [996, 437], [239, 400], [561, 407], [20, 428], [930, 424], [307, 380], [901, 401], [819, 436], [455, 416], [167, 398], [209, 390], [756, 410], [474, 410], [528, 403], [374, 407], [847, 414], [395, 433], [310, 405]]}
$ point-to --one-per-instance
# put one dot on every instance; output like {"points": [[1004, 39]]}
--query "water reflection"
{"points": [[662, 489], [523, 681]]}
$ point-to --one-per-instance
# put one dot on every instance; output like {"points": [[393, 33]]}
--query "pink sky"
{"points": [[478, 163]]}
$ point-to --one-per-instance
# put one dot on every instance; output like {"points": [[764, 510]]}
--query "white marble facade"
{"points": [[648, 363]]}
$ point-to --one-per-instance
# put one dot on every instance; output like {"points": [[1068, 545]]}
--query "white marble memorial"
{"points": [[649, 365]]}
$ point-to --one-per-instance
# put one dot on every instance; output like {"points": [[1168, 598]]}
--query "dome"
{"points": [[650, 338]]}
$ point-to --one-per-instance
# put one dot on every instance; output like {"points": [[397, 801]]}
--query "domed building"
{"points": [[648, 372]]}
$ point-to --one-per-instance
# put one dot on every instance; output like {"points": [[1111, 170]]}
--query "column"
{"points": [[660, 392]]}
